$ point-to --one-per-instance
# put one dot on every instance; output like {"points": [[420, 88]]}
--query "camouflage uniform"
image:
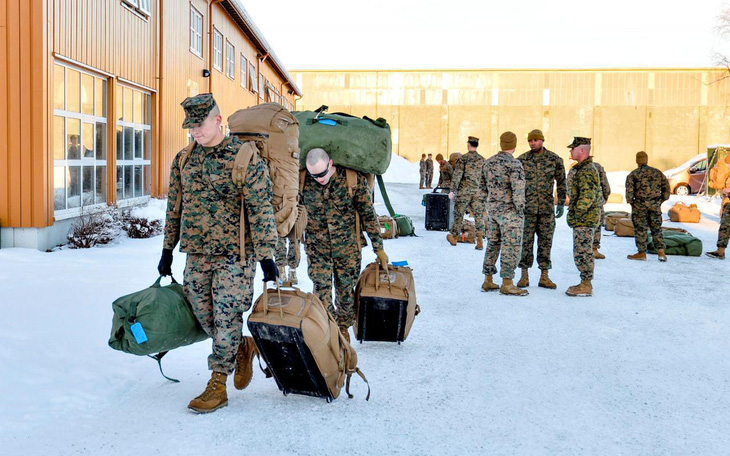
{"points": [[446, 173], [287, 252], [605, 192], [723, 234], [505, 183], [467, 187], [429, 172], [541, 170], [422, 173], [331, 243], [217, 284], [646, 189], [584, 214]]}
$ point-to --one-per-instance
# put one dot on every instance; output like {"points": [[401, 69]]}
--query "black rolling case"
{"points": [[439, 211]]}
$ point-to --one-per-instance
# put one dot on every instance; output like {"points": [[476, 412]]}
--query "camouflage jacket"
{"points": [[504, 180], [331, 214], [585, 196], [467, 178], [209, 222], [429, 165], [446, 173], [541, 170], [605, 186], [646, 187], [422, 166]]}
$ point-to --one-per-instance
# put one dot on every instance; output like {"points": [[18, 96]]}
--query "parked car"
{"points": [[689, 177]]}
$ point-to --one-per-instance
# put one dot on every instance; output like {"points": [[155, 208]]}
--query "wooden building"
{"points": [[90, 94]]}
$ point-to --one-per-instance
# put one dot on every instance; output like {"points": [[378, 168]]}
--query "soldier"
{"points": [[446, 172], [288, 254], [646, 189], [422, 172], [605, 192], [721, 181], [505, 182], [454, 159], [429, 171], [542, 168], [333, 247], [204, 215], [584, 213], [466, 186]]}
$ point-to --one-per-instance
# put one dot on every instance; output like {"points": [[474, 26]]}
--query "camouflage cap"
{"points": [[197, 109], [472, 139], [579, 141]]}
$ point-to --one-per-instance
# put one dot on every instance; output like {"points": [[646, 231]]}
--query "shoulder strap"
{"points": [[302, 177], [181, 164], [246, 154], [351, 178]]}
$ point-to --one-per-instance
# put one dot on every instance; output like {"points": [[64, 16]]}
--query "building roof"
{"points": [[239, 14]]}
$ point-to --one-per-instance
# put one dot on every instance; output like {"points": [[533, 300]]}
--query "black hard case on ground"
{"points": [[439, 211], [382, 319]]}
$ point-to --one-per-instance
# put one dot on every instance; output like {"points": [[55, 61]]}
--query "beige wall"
{"points": [[672, 114]]}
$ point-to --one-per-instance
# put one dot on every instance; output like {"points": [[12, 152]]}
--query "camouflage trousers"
{"points": [[429, 178], [326, 266], [645, 219], [475, 204], [422, 182], [287, 252], [544, 226], [219, 289], [597, 234], [583, 251], [504, 239], [723, 234]]}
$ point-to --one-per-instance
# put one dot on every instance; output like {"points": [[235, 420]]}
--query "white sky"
{"points": [[423, 34]]}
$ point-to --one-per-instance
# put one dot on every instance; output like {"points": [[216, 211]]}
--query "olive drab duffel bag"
{"points": [[154, 321], [677, 242], [680, 212], [612, 217], [302, 345], [404, 225]]}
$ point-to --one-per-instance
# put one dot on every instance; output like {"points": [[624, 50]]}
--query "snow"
{"points": [[639, 368]]}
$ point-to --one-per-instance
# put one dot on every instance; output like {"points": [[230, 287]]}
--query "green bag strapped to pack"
{"points": [[164, 316], [677, 243], [404, 223]]}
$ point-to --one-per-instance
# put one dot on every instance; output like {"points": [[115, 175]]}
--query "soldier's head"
{"points": [[472, 143], [429, 157], [203, 118], [423, 156], [320, 166], [580, 148], [440, 159], [535, 139], [508, 142], [74, 140], [454, 158], [642, 158]]}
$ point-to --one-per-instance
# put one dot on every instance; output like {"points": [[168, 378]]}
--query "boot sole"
{"points": [[202, 411], [715, 257], [523, 286], [489, 290], [512, 294], [547, 286], [579, 295]]}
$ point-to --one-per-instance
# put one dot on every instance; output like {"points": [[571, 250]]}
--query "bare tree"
{"points": [[723, 29]]}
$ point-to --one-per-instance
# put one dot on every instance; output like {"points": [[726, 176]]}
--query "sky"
{"points": [[428, 34]]}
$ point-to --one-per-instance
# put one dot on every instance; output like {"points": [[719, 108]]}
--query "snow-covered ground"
{"points": [[639, 368]]}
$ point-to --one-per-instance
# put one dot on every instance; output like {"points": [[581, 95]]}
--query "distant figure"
{"points": [[422, 170], [723, 233], [605, 192], [429, 171], [446, 172], [466, 186]]}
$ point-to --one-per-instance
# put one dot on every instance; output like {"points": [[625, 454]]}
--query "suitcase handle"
{"points": [[266, 300], [377, 276]]}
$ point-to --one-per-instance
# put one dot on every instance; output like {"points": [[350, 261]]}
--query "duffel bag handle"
{"points": [[159, 279], [377, 276]]}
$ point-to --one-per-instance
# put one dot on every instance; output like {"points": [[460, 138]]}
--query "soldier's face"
{"points": [[535, 144], [578, 154], [321, 171], [207, 133]]}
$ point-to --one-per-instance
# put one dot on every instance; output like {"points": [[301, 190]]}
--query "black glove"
{"points": [[271, 272], [165, 265]]}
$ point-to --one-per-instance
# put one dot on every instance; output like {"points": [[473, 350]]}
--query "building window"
{"points": [[262, 86], [252, 85], [244, 76], [218, 51], [196, 32], [144, 6], [78, 139], [139, 6], [230, 62], [134, 143]]}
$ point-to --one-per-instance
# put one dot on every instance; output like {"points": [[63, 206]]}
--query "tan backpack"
{"points": [[624, 227], [680, 212], [388, 227], [468, 232], [302, 345]]}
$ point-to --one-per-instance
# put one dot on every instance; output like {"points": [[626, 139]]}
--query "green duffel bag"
{"points": [[362, 144], [405, 225], [677, 243]]}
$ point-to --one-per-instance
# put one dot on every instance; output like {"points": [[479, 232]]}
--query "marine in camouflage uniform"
{"points": [[218, 281], [429, 171], [544, 170], [505, 183], [723, 233], [446, 172], [466, 187], [646, 189], [584, 213], [422, 172], [332, 245], [605, 193]]}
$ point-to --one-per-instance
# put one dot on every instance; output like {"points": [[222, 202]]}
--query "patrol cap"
{"points": [[197, 109], [473, 139], [642, 158], [579, 141], [535, 134]]}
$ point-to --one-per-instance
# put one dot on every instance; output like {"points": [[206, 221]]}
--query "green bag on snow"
{"points": [[405, 225], [677, 243], [362, 144]]}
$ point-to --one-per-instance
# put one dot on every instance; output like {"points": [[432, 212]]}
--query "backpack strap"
{"points": [[351, 178], [302, 177], [181, 164], [245, 155], [158, 358]]}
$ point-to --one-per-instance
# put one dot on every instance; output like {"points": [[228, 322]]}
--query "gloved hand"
{"points": [[271, 272], [165, 265], [451, 195], [382, 258], [559, 210]]}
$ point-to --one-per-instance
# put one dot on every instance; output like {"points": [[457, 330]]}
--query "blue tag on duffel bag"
{"points": [[138, 332]]}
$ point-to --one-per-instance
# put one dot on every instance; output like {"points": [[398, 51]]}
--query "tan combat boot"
{"points": [[214, 396], [525, 279], [641, 256], [480, 245], [662, 255], [345, 333], [598, 255], [584, 288], [509, 289], [545, 281], [719, 253], [488, 284], [244, 363], [451, 239]]}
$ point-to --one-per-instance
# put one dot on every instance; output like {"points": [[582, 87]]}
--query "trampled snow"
{"points": [[639, 368]]}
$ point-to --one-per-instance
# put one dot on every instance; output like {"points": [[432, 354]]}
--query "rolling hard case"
{"points": [[439, 211]]}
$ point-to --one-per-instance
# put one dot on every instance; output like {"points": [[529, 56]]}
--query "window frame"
{"points": [[217, 50], [253, 85], [230, 63], [144, 163], [244, 71], [195, 14]]}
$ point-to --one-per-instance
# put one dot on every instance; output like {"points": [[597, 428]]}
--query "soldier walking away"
{"points": [[429, 171], [466, 186], [723, 233], [605, 193], [422, 172], [584, 213], [543, 169], [288, 254], [505, 184], [333, 236], [446, 172], [646, 189], [204, 215]]}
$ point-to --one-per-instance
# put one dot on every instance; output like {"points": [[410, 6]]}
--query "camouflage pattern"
{"points": [[579, 141], [586, 198], [723, 234], [583, 251], [605, 193], [219, 289], [331, 243], [504, 181], [646, 189], [542, 225], [467, 184], [209, 222], [197, 109], [422, 172], [544, 170], [429, 172], [287, 253], [446, 172]]}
